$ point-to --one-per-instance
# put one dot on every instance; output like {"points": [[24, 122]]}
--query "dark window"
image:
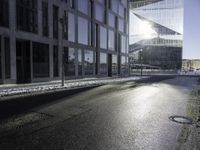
{"points": [[109, 4], [80, 61], [55, 61], [69, 59], [72, 4], [7, 58], [40, 60], [4, 13], [45, 29], [55, 22], [27, 15]]}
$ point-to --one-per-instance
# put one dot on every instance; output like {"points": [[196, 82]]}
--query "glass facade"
{"points": [[156, 33], [93, 39]]}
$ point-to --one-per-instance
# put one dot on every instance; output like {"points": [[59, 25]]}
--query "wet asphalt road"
{"points": [[110, 117]]}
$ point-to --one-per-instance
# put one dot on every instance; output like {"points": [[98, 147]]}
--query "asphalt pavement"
{"points": [[121, 116]]}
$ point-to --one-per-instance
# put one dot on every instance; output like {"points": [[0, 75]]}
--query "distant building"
{"points": [[92, 39], [157, 32], [190, 65]]}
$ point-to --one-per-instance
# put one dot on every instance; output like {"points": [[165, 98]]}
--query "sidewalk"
{"points": [[44, 87]]}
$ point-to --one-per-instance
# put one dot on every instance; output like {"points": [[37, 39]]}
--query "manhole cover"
{"points": [[181, 119]]}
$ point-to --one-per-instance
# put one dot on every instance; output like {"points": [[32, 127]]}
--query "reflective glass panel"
{"points": [[88, 62]]}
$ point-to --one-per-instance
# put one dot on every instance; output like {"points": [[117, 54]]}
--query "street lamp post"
{"points": [[63, 21], [140, 53]]}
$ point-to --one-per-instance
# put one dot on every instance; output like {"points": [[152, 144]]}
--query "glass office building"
{"points": [[156, 34], [86, 38]]}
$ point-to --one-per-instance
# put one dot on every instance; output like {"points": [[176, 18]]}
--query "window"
{"points": [[40, 60], [123, 44], [111, 40], [114, 64], [69, 59], [111, 20], [123, 64], [83, 6], [103, 38], [7, 57], [71, 27], [114, 6], [124, 2], [121, 10], [88, 62], [55, 22], [4, 13], [55, 61], [99, 12], [82, 31], [80, 61], [45, 28], [120, 25], [27, 17], [103, 64]]}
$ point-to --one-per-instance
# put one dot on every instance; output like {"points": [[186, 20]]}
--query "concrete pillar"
{"points": [[2, 58], [60, 41], [31, 60], [12, 21], [51, 66]]}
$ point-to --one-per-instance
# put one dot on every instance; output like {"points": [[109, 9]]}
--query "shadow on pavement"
{"points": [[19, 105]]}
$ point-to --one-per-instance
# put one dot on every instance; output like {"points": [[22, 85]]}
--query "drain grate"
{"points": [[181, 119]]}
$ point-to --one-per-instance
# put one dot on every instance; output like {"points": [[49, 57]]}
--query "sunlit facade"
{"points": [[90, 37], [156, 34]]}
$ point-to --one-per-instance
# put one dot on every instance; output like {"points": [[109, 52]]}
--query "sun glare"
{"points": [[146, 30]]}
